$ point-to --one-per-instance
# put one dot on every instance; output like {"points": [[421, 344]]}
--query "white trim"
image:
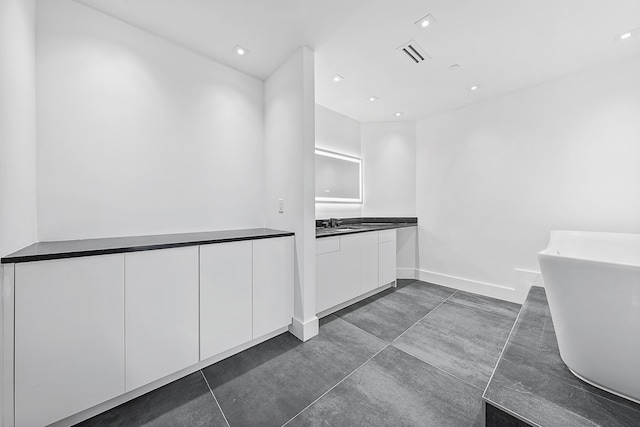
{"points": [[476, 287], [304, 330], [105, 406]]}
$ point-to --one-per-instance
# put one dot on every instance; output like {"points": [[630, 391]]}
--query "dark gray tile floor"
{"points": [[416, 355], [464, 336], [532, 381], [186, 402]]}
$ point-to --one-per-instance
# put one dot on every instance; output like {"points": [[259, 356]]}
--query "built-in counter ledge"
{"points": [[362, 225], [42, 251]]}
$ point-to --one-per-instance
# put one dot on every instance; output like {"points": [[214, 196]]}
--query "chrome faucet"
{"points": [[334, 222]]}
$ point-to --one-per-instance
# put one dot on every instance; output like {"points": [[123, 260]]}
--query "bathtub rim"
{"points": [[554, 235]]}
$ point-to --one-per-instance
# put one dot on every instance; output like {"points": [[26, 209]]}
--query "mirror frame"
{"points": [[340, 156]]}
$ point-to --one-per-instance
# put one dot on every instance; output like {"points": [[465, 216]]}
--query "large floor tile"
{"points": [[486, 304], [389, 313], [463, 336], [396, 389], [424, 290], [185, 402], [268, 384]]}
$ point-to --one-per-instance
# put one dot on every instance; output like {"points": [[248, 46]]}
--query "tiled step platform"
{"points": [[531, 385]]}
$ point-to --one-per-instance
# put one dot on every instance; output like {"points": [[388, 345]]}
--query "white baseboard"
{"points": [[306, 330], [476, 287], [406, 273]]}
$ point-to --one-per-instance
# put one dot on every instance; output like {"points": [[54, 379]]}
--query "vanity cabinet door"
{"points": [[161, 307], [349, 267], [226, 306], [272, 284], [368, 261], [387, 257], [387, 263], [69, 336], [329, 284]]}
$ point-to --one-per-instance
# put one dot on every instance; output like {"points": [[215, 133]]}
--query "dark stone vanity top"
{"points": [[362, 225], [41, 251], [531, 384]]}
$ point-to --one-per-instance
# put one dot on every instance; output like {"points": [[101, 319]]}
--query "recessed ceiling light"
{"points": [[337, 78], [474, 88], [373, 98], [398, 114], [241, 51], [626, 35], [425, 22]]}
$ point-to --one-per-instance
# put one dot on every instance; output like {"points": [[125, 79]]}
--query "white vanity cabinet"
{"points": [[272, 284], [69, 336], [161, 308], [226, 289], [368, 261], [386, 257], [352, 265], [330, 289]]}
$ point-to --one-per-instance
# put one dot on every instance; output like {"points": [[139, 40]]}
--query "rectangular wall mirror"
{"points": [[338, 178]]}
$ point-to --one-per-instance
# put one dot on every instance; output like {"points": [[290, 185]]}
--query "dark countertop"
{"points": [[363, 225], [532, 383], [41, 251]]}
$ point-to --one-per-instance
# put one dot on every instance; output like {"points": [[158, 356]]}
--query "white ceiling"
{"points": [[501, 45]]}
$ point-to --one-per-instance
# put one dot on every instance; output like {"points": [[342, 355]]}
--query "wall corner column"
{"points": [[290, 175]]}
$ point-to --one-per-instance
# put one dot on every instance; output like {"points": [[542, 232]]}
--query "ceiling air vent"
{"points": [[413, 52]]}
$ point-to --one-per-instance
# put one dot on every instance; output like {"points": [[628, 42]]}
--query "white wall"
{"points": [[336, 132], [494, 178], [17, 125], [290, 175], [340, 134], [137, 135], [389, 154], [17, 137]]}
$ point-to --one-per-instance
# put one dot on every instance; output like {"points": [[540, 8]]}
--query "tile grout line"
{"points": [[438, 368], [504, 347], [214, 398], [419, 320], [434, 366], [336, 385], [360, 329]]}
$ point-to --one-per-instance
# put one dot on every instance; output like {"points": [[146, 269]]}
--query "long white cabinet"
{"points": [[91, 328], [353, 265], [69, 336]]}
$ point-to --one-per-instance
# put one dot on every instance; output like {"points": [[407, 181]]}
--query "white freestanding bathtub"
{"points": [[592, 282]]}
